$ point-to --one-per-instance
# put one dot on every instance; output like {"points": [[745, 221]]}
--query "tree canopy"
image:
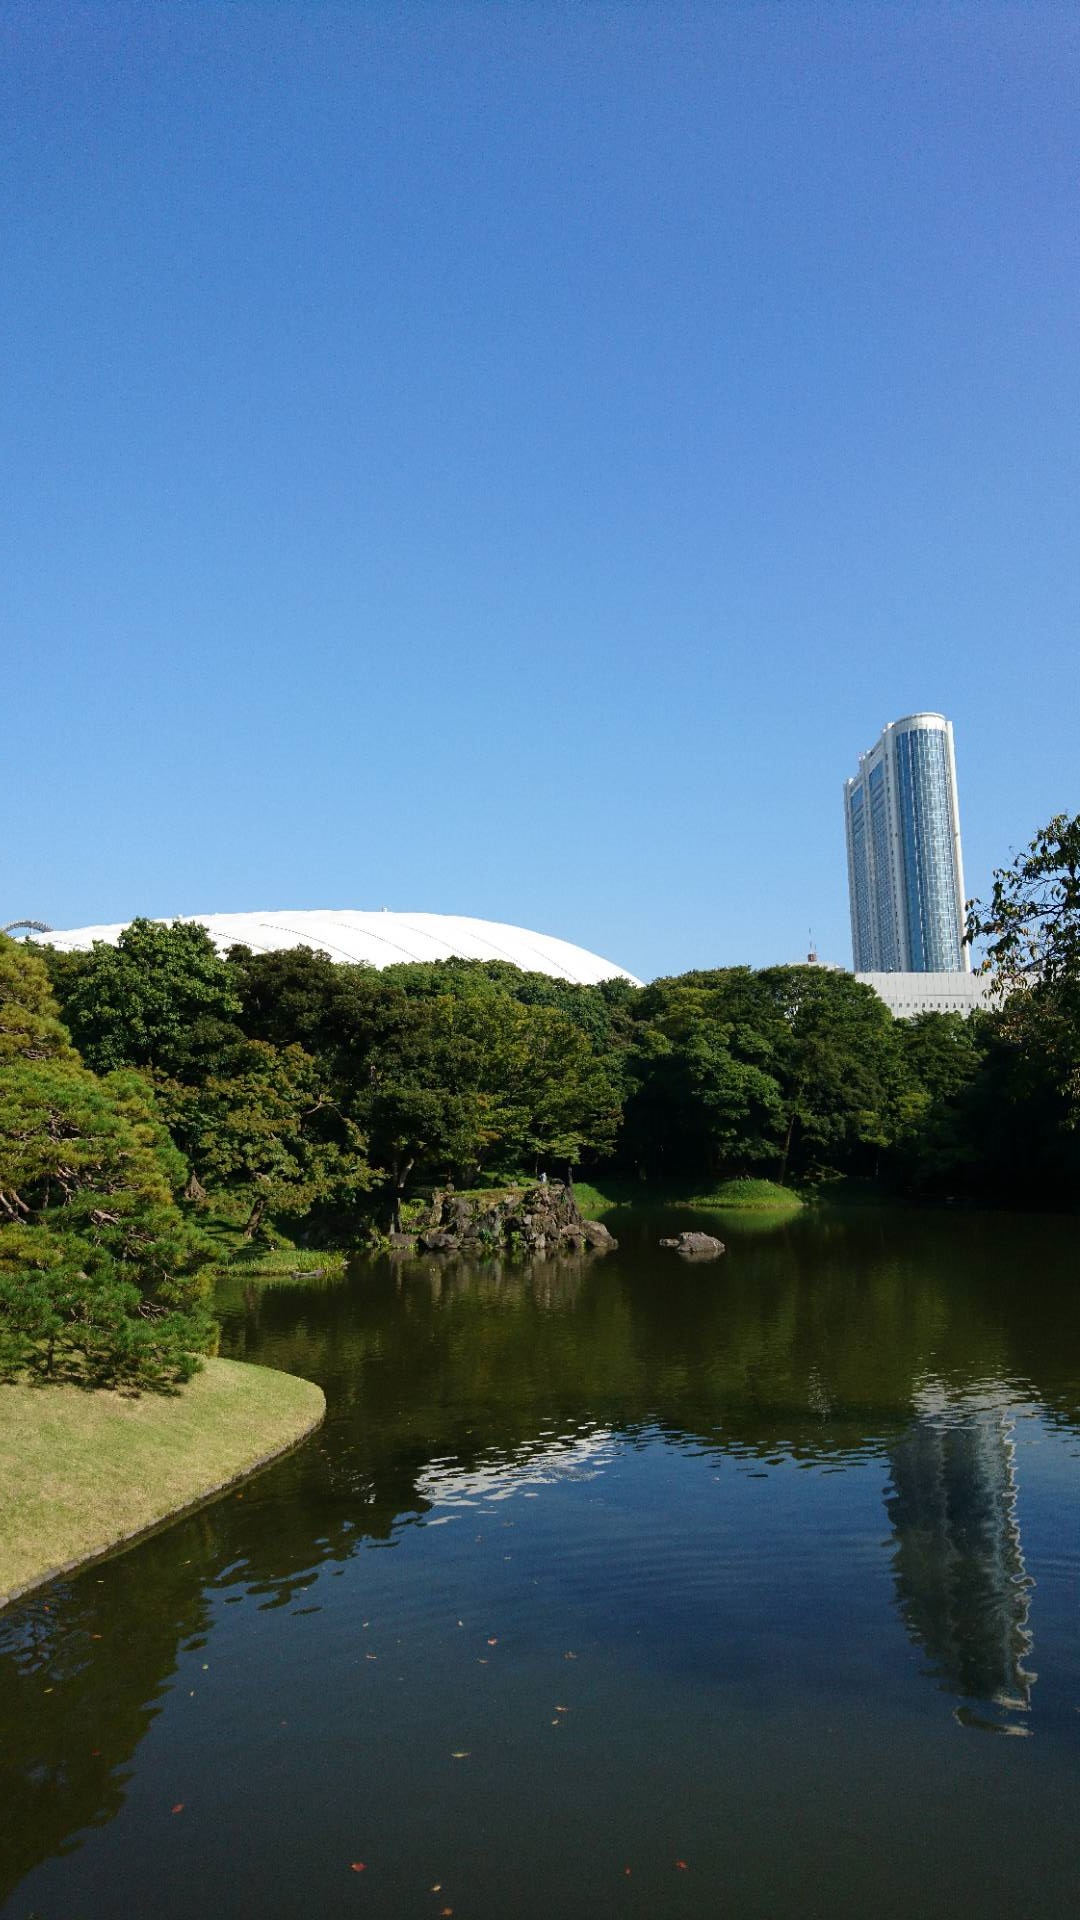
{"points": [[1031, 930], [315, 1097], [98, 1267]]}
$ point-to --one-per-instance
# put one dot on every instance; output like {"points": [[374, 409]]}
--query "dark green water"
{"points": [[769, 1568]]}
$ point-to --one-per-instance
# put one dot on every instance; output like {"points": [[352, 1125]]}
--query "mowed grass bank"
{"points": [[82, 1472]]}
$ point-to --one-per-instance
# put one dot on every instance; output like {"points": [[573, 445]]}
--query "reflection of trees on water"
{"points": [[812, 1346], [83, 1668], [553, 1281], [961, 1582]]}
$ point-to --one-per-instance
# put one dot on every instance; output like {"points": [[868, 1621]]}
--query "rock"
{"points": [[457, 1215], [403, 1243], [597, 1236], [436, 1241], [696, 1246]]}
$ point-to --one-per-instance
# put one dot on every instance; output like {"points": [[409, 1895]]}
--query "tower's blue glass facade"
{"points": [[933, 910], [904, 863]]}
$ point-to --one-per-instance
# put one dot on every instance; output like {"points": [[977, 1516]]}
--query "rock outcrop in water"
{"points": [[538, 1220], [696, 1246]]}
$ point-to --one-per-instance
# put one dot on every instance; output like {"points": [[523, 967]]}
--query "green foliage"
{"points": [[98, 1268], [161, 998], [1032, 931], [1032, 924], [793, 1069], [267, 1129], [455, 1087], [309, 1096]]}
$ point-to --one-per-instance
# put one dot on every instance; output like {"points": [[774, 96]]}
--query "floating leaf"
{"points": [[358, 1866], [681, 1864], [463, 1755], [179, 1807]]}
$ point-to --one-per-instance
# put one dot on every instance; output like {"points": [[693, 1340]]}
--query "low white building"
{"points": [[906, 994]]}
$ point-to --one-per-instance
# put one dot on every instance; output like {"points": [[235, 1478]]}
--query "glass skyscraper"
{"points": [[905, 871]]}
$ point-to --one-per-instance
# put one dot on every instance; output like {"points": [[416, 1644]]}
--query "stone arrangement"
{"points": [[540, 1219]]}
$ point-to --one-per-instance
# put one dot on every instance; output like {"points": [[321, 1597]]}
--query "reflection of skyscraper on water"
{"points": [[959, 1565]]}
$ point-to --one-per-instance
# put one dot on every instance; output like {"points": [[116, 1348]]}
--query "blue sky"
{"points": [[511, 459]]}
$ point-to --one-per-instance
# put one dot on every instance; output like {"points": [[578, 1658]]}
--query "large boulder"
{"points": [[696, 1246], [596, 1235], [435, 1240]]}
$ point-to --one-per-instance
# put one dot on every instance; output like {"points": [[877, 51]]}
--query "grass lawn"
{"points": [[82, 1472]]}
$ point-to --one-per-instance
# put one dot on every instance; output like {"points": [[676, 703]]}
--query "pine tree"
{"points": [[99, 1271]]}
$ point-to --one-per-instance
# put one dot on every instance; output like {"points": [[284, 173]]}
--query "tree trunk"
{"points": [[782, 1169], [401, 1177], [255, 1218]]}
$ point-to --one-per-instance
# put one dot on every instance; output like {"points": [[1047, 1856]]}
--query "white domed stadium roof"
{"points": [[381, 939]]}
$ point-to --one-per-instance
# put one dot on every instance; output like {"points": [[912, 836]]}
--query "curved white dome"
{"points": [[382, 939]]}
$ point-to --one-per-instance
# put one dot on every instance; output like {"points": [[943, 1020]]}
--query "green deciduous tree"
{"points": [[1028, 1096], [162, 997], [1031, 928], [702, 1100], [837, 1059], [454, 1086], [267, 1130], [937, 1127], [792, 1070]]}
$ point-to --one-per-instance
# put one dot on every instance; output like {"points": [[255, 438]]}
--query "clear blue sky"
{"points": [[510, 459]]}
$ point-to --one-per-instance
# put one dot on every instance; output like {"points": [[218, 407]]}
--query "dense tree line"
{"points": [[319, 1096]]}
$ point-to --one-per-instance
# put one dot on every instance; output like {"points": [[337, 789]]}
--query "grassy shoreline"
{"points": [[85, 1473]]}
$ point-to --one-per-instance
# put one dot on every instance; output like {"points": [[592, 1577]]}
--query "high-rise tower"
{"points": [[905, 871]]}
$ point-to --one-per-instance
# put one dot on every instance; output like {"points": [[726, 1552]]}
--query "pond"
{"points": [[613, 1585]]}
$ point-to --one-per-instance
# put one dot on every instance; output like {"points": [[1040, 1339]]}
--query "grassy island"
{"points": [[84, 1472], [731, 1196], [751, 1196]]}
